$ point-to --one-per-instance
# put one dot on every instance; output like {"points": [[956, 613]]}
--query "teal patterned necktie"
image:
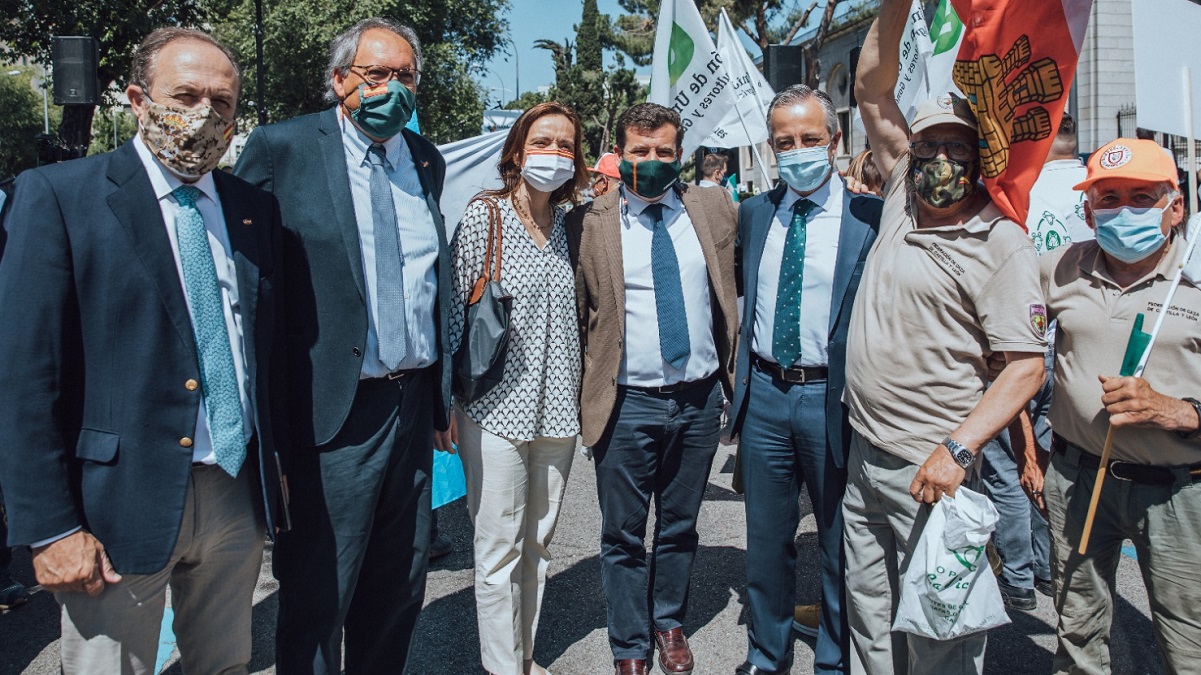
{"points": [[389, 264], [786, 333], [218, 378], [674, 342]]}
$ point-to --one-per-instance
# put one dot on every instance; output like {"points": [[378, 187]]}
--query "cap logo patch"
{"points": [[1117, 156], [945, 102]]}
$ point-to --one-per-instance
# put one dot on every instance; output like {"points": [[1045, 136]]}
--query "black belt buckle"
{"points": [[1117, 469], [399, 375], [1141, 473]]}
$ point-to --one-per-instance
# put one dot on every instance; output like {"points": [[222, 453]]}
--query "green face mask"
{"points": [[650, 177], [942, 182], [384, 109]]}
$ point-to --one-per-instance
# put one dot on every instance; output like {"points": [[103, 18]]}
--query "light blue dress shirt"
{"points": [[821, 255], [418, 239], [642, 363]]}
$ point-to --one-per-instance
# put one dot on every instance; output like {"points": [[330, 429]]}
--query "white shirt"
{"points": [[817, 287], [642, 363], [209, 204], [1056, 216], [418, 240]]}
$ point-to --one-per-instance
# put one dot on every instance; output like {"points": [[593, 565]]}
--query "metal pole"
{"points": [[258, 61], [45, 103], [517, 57], [115, 128], [1192, 145]]}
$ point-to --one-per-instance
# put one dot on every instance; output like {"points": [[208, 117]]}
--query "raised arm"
{"points": [[875, 80]]}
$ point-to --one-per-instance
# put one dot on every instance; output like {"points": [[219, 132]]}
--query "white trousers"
{"points": [[514, 493]]}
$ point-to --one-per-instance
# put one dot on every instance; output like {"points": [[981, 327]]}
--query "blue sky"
{"points": [[531, 20]]}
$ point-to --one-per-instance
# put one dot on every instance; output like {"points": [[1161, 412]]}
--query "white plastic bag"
{"points": [[949, 589]]}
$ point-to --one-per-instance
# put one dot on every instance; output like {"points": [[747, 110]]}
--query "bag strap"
{"points": [[492, 253]]}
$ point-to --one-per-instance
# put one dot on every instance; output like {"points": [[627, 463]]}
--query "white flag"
{"points": [[1192, 264], [688, 74], [946, 36], [746, 122], [916, 48], [472, 165]]}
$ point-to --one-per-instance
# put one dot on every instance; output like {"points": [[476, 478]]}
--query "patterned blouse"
{"points": [[538, 396]]}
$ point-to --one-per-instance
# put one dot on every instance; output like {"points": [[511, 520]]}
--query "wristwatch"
{"points": [[1190, 435], [959, 452]]}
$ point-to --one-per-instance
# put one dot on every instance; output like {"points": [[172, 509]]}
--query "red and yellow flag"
{"points": [[1015, 65]]}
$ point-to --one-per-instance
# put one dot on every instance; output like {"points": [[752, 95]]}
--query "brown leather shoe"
{"points": [[675, 658], [630, 667]]}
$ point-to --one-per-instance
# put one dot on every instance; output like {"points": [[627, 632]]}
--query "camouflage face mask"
{"points": [[942, 182], [188, 142]]}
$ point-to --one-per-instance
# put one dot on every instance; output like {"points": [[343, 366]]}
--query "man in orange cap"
{"points": [[605, 175], [1096, 289]]}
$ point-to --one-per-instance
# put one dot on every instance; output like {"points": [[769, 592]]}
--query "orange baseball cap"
{"points": [[1133, 158], [607, 166]]}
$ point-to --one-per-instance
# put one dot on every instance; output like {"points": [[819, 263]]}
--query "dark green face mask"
{"points": [[650, 177], [942, 182], [384, 110]]}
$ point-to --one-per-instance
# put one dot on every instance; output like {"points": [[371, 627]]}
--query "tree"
{"points": [[767, 22], [20, 121], [118, 26], [457, 37]]}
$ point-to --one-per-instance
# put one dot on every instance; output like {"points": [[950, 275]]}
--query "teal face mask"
{"points": [[384, 109], [1129, 234], [650, 177]]}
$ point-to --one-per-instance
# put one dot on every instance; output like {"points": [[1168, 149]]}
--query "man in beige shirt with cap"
{"points": [[949, 282], [1096, 289]]}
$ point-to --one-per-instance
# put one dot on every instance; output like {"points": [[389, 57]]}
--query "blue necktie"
{"points": [[389, 264], [218, 379], [786, 333], [669, 293]]}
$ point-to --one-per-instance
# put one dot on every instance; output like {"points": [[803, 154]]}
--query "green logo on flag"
{"points": [[679, 53], [946, 28]]}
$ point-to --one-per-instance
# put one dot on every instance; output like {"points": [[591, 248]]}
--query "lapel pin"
{"points": [[425, 165], [247, 221]]}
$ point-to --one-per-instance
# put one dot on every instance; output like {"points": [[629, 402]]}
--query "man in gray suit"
{"points": [[366, 303]]}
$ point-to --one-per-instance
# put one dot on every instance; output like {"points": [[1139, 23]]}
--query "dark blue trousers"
{"points": [[783, 443], [355, 561], [660, 447]]}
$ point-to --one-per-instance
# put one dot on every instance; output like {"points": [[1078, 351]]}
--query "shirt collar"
{"points": [[163, 181], [636, 204], [827, 198], [357, 143]]}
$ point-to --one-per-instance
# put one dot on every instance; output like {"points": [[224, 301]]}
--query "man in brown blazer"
{"points": [[658, 322]]}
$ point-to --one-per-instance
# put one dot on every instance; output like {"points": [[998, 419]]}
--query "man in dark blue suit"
{"points": [[137, 368], [366, 302], [803, 245]]}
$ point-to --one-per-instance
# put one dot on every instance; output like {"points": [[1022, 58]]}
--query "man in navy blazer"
{"points": [[803, 245], [137, 372], [368, 374]]}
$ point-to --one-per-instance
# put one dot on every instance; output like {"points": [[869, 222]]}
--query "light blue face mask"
{"points": [[805, 169], [1129, 234]]}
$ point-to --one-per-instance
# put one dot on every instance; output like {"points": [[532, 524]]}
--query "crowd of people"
{"points": [[194, 362]]}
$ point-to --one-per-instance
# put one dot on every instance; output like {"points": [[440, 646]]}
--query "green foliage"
{"points": [[20, 121], [457, 36], [118, 25], [526, 101], [597, 95], [102, 130]]}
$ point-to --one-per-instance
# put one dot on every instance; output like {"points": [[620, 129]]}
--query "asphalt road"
{"points": [[572, 637]]}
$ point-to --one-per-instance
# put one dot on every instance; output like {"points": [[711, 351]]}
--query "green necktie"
{"points": [[786, 333]]}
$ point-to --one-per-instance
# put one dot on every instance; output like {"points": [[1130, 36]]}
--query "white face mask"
{"points": [[547, 170]]}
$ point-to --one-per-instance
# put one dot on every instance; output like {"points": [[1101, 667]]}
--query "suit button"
{"points": [[190, 385], [185, 442], [356, 351]]}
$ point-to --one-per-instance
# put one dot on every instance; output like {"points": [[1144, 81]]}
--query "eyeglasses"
{"points": [[929, 149], [377, 74]]}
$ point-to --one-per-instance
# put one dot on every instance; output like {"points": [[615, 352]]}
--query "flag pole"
{"points": [[1190, 246], [1192, 147]]}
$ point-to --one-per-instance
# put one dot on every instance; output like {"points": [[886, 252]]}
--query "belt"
{"points": [[675, 387], [791, 375], [398, 376], [1143, 474]]}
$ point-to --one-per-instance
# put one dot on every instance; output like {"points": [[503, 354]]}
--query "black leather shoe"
{"points": [[748, 668]]}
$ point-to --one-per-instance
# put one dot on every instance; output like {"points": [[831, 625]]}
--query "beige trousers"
{"points": [[212, 574], [881, 526], [514, 493]]}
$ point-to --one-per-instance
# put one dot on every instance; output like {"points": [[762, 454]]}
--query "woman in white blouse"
{"points": [[518, 439]]}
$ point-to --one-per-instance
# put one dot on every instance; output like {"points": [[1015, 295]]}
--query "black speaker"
{"points": [[75, 60], [783, 66]]}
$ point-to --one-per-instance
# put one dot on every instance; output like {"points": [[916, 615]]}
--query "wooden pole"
{"points": [[1092, 503]]}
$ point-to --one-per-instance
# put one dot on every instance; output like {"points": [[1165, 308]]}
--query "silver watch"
{"points": [[959, 452]]}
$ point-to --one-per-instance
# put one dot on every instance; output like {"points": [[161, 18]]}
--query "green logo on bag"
{"points": [[679, 53], [968, 556]]}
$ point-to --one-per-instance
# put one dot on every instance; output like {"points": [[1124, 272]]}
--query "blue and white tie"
{"points": [[786, 333], [218, 378]]}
